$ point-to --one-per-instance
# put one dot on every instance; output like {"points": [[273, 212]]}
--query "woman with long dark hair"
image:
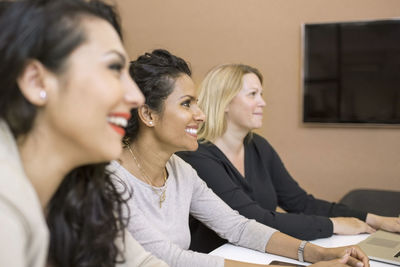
{"points": [[166, 189], [65, 98]]}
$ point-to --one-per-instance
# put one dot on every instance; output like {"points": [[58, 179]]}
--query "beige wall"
{"points": [[327, 161]]}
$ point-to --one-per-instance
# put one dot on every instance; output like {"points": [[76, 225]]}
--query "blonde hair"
{"points": [[216, 91]]}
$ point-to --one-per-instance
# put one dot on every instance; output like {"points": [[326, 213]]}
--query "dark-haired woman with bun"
{"points": [[166, 189], [65, 98]]}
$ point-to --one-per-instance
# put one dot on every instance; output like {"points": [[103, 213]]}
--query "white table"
{"points": [[232, 252]]}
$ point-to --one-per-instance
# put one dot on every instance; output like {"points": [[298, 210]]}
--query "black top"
{"points": [[266, 185]]}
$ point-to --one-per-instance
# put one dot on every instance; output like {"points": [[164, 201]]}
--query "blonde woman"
{"points": [[247, 173]]}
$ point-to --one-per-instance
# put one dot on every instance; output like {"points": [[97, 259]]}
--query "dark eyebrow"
{"points": [[190, 96], [119, 54]]}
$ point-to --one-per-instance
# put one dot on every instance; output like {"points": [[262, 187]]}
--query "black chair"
{"points": [[381, 202]]}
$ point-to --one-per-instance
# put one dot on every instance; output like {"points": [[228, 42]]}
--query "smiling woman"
{"points": [[166, 189], [65, 99]]}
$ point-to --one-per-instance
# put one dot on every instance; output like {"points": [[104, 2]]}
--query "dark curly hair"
{"points": [[155, 73], [85, 215]]}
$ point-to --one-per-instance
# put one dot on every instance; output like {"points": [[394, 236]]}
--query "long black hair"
{"points": [[155, 74], [85, 215]]}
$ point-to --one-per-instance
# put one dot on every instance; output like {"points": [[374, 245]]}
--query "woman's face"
{"points": [[90, 102], [246, 109], [176, 127]]}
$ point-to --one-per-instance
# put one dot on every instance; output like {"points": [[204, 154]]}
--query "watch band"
{"points": [[300, 250]]}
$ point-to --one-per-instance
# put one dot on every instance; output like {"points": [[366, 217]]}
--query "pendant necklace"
{"points": [[158, 191]]}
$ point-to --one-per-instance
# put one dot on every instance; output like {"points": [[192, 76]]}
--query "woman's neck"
{"points": [[231, 142], [145, 159], [44, 164]]}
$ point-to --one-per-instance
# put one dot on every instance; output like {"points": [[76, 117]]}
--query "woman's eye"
{"points": [[186, 104], [116, 66]]}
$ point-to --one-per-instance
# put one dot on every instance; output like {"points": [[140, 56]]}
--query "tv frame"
{"points": [[302, 78]]}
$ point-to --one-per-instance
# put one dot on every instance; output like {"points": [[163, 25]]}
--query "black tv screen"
{"points": [[351, 72]]}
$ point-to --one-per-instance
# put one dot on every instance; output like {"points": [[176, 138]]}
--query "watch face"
{"points": [[283, 263]]}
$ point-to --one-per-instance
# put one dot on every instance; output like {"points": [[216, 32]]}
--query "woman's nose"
{"points": [[199, 115], [262, 101]]}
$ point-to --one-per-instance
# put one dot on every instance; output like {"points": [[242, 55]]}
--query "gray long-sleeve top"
{"points": [[165, 231]]}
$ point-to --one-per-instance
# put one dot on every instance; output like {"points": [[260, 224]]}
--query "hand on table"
{"points": [[350, 226], [344, 256], [390, 224], [341, 262]]}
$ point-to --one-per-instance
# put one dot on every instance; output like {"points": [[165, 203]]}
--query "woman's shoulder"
{"points": [[16, 191], [21, 214], [177, 164], [182, 171], [259, 141], [206, 150]]}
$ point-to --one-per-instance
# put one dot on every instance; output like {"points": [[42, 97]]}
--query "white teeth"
{"points": [[191, 130], [119, 121]]}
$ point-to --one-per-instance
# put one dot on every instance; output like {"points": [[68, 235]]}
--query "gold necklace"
{"points": [[162, 195]]}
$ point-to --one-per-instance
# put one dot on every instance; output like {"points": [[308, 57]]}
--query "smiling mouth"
{"points": [[119, 122], [191, 131]]}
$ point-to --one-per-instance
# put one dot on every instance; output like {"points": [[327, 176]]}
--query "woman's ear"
{"points": [[34, 82], [227, 108], [147, 115]]}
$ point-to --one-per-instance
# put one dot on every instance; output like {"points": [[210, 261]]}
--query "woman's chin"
{"points": [[192, 147], [256, 126]]}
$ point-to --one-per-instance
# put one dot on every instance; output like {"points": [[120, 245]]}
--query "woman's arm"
{"points": [[155, 241], [209, 209], [287, 246], [390, 224], [345, 219], [277, 243], [293, 198], [151, 235], [283, 245], [218, 178]]}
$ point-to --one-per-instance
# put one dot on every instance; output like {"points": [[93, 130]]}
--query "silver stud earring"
{"points": [[43, 94], [151, 122]]}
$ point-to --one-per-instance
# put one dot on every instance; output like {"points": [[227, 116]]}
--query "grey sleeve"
{"points": [[208, 208], [159, 245]]}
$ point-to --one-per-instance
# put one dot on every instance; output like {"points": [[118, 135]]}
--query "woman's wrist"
{"points": [[313, 253], [373, 220]]}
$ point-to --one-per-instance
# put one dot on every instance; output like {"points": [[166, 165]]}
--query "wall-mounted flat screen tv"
{"points": [[351, 72]]}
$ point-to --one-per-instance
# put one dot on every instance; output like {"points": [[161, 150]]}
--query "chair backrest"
{"points": [[381, 202]]}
